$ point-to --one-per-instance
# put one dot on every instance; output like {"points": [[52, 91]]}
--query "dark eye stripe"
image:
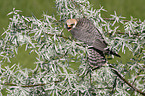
{"points": [[69, 27]]}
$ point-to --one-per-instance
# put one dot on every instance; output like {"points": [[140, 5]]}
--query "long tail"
{"points": [[113, 53], [96, 58]]}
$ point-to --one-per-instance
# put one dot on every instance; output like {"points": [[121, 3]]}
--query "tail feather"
{"points": [[113, 53], [96, 58]]}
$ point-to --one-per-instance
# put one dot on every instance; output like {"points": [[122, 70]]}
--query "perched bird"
{"points": [[84, 30]]}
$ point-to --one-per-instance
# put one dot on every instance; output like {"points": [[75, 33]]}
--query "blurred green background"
{"points": [[125, 8]]}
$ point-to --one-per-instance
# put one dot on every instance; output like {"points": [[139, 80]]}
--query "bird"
{"points": [[84, 30]]}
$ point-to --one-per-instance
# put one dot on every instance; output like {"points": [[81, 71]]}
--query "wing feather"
{"points": [[86, 31]]}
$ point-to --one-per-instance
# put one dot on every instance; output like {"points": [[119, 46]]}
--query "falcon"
{"points": [[84, 30]]}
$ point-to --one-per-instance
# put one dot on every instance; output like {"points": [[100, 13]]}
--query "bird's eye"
{"points": [[69, 26]]}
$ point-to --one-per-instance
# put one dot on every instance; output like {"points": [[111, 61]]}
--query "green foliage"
{"points": [[53, 74]]}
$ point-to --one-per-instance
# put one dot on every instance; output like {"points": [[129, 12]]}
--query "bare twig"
{"points": [[119, 75], [57, 35], [10, 84], [104, 88], [114, 86]]}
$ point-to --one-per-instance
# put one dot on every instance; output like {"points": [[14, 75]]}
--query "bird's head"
{"points": [[71, 23]]}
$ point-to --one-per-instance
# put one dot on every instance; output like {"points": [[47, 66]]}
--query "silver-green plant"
{"points": [[53, 74]]}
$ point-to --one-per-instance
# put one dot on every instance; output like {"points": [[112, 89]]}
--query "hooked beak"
{"points": [[69, 27]]}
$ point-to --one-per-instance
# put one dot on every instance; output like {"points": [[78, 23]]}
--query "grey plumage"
{"points": [[84, 30]]}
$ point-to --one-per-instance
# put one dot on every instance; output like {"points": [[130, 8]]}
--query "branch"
{"points": [[114, 86], [136, 76], [112, 19], [108, 19], [57, 35], [119, 75], [104, 88], [137, 34], [67, 38], [129, 84], [10, 84]]}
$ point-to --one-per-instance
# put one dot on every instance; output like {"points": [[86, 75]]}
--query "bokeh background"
{"points": [[125, 8]]}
